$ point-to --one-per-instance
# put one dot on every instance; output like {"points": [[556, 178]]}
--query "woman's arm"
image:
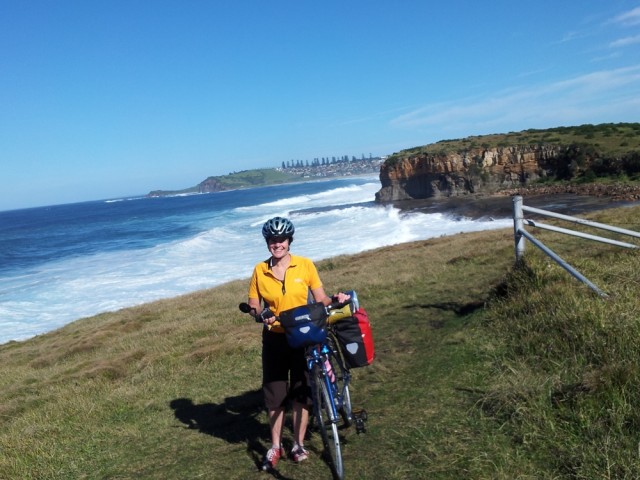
{"points": [[319, 295], [255, 304]]}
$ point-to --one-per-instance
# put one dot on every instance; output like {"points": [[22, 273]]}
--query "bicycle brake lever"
{"points": [[266, 313]]}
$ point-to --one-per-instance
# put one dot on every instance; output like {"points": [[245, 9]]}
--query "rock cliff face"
{"points": [[476, 170], [211, 185]]}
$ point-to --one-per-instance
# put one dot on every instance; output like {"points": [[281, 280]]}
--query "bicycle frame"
{"points": [[320, 356], [330, 394]]}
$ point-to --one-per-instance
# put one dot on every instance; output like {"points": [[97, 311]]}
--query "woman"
{"points": [[281, 282]]}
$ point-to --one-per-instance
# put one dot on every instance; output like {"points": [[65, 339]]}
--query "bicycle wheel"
{"points": [[327, 423], [343, 378], [346, 410]]}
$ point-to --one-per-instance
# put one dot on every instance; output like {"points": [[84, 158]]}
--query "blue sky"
{"points": [[108, 98]]}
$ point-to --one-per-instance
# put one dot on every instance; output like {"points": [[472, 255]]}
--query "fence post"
{"points": [[518, 226]]}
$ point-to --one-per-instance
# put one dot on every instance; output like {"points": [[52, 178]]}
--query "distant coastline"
{"points": [[278, 176]]}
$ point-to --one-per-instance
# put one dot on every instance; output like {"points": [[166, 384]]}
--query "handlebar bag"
{"points": [[356, 339], [305, 325], [347, 310]]}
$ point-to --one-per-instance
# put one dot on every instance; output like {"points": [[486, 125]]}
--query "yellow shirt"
{"points": [[301, 275]]}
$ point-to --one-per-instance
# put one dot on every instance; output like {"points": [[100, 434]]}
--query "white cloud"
{"points": [[632, 17], [624, 42], [607, 95], [610, 56], [570, 36]]}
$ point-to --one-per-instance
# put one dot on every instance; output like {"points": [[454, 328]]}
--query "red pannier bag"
{"points": [[356, 339]]}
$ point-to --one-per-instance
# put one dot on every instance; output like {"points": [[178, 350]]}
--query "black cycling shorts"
{"points": [[284, 372]]}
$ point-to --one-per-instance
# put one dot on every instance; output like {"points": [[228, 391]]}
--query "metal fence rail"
{"points": [[520, 235]]}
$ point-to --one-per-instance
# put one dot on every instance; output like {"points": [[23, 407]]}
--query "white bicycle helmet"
{"points": [[278, 227]]}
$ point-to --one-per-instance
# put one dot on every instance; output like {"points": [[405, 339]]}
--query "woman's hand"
{"points": [[267, 316], [341, 297]]}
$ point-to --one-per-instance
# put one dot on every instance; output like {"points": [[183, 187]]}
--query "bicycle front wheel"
{"points": [[327, 422]]}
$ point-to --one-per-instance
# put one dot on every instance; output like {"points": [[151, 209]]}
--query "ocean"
{"points": [[65, 262]]}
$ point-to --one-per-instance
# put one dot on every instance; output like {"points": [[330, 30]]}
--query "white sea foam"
{"points": [[335, 222]]}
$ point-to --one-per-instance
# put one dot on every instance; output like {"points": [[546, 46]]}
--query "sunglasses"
{"points": [[277, 239]]}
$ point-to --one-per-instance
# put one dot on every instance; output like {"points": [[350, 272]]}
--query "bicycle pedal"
{"points": [[360, 413], [360, 418]]}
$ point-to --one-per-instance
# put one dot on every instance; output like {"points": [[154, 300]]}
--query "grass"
{"points": [[566, 366], [257, 177], [234, 180], [610, 139], [482, 371]]}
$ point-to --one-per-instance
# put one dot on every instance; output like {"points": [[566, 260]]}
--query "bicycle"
{"points": [[310, 326]]}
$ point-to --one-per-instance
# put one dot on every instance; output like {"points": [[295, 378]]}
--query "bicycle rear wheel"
{"points": [[327, 422], [346, 410], [343, 378]]}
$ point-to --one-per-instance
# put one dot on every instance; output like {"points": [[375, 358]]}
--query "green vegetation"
{"points": [[482, 371], [244, 179], [566, 376], [589, 151], [608, 138], [270, 176], [255, 178]]}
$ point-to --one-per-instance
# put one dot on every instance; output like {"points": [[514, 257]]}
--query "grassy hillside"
{"points": [[255, 178], [481, 372], [586, 153], [244, 179], [610, 139]]}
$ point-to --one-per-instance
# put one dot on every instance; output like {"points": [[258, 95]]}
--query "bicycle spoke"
{"points": [[332, 439], [343, 377], [318, 400]]}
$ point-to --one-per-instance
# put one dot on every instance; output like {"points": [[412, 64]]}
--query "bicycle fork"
{"points": [[321, 358]]}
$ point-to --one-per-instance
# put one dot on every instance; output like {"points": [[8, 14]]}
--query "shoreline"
{"points": [[565, 199], [475, 207]]}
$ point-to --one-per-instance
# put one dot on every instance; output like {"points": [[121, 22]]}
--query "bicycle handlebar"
{"points": [[267, 313], [259, 317]]}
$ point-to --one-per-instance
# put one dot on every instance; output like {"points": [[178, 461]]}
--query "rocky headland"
{"points": [[581, 162], [443, 183], [472, 171], [500, 171]]}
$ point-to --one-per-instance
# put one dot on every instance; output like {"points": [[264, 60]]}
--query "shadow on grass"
{"points": [[458, 308], [235, 420]]}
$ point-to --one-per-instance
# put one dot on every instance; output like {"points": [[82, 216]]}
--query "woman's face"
{"points": [[278, 246]]}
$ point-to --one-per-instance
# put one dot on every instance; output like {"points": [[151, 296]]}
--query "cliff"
{"points": [[491, 163], [477, 170], [211, 184]]}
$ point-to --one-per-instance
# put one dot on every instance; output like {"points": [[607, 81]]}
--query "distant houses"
{"points": [[339, 168]]}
